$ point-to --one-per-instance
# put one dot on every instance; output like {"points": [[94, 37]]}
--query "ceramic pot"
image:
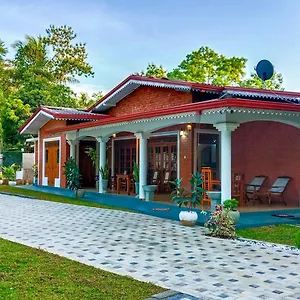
{"points": [[235, 215], [137, 188], [12, 183], [188, 218], [104, 183], [79, 193]]}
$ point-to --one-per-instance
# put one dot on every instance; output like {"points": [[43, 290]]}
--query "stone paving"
{"points": [[152, 249]]}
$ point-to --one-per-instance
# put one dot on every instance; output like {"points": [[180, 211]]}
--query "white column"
{"points": [[102, 158], [226, 129], [143, 161], [112, 157], [178, 154], [72, 144]]}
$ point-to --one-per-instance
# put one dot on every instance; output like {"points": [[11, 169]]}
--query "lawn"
{"points": [[28, 273], [281, 234], [54, 198]]}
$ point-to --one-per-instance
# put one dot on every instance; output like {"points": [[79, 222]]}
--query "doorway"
{"points": [[52, 158]]}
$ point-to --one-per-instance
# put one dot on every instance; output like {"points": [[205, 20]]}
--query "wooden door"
{"points": [[86, 168], [162, 157], [52, 161]]}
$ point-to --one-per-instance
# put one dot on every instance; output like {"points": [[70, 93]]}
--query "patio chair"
{"points": [[277, 189], [167, 183], [206, 185], [254, 187], [237, 186]]}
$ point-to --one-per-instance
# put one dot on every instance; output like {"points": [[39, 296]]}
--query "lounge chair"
{"points": [[277, 189], [253, 189]]}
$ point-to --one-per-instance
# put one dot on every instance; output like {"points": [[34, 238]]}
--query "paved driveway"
{"points": [[152, 249]]}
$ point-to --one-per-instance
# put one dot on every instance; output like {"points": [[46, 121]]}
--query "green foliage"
{"points": [[297, 237], [136, 172], [72, 174], [12, 158], [104, 171], [93, 155], [35, 170], [207, 66], [9, 173], [153, 70], [84, 101], [188, 197], [231, 204], [220, 224]]}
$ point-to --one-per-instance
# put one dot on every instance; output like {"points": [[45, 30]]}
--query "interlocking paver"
{"points": [[152, 249]]}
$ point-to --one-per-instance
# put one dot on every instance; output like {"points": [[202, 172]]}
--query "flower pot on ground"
{"points": [[136, 178], [189, 198], [231, 206], [73, 177], [104, 172], [35, 174]]}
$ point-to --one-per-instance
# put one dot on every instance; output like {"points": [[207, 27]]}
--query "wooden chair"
{"points": [[123, 182], [237, 186], [277, 189], [206, 184], [167, 183], [156, 181], [253, 189]]}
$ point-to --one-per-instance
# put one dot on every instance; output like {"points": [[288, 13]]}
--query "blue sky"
{"points": [[123, 36]]}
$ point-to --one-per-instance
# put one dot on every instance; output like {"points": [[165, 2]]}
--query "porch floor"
{"points": [[170, 211]]}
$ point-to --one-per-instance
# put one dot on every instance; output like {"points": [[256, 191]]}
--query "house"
{"points": [[176, 127]]}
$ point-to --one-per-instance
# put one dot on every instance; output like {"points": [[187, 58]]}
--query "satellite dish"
{"points": [[264, 70]]}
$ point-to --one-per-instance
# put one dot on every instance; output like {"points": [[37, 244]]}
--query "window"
{"points": [[46, 156]]}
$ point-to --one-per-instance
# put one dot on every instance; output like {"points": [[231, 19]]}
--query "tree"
{"points": [[68, 59], [84, 101], [153, 70], [207, 66], [275, 83]]}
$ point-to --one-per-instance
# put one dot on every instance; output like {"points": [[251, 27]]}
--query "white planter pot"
{"points": [[1, 181], [188, 218], [12, 183], [104, 185], [235, 215], [79, 193]]}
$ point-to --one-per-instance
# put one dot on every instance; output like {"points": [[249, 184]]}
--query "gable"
{"points": [[146, 99]]}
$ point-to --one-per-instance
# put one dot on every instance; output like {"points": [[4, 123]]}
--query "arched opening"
{"points": [[268, 148]]}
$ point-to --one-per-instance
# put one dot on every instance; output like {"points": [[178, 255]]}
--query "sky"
{"points": [[122, 37]]}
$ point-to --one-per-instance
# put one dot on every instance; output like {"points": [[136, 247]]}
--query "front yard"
{"points": [[27, 273], [53, 198], [281, 234]]}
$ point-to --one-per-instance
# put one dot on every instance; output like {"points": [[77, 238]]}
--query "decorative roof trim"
{"points": [[249, 111]]}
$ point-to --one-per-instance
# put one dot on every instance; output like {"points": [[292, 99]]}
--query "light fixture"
{"points": [[189, 127], [114, 135], [183, 133]]}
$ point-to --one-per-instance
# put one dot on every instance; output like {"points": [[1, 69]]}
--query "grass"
{"points": [[28, 273], [54, 198], [280, 234]]}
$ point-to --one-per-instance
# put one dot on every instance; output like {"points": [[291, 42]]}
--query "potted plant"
{"points": [[220, 224], [73, 177], [189, 198], [104, 171], [9, 173], [136, 177], [35, 174], [93, 155], [231, 206]]}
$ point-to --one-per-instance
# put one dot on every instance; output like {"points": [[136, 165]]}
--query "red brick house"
{"points": [[174, 126]]}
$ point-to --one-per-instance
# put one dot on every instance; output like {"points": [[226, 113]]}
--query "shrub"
{"points": [[72, 174], [9, 173], [298, 239], [231, 204], [220, 224]]}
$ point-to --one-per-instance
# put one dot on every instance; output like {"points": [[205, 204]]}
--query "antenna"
{"points": [[265, 71]]}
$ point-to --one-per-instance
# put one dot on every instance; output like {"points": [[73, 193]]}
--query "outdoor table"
{"points": [[128, 181]]}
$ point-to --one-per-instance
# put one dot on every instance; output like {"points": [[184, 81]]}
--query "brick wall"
{"points": [[150, 98], [271, 149], [63, 151]]}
